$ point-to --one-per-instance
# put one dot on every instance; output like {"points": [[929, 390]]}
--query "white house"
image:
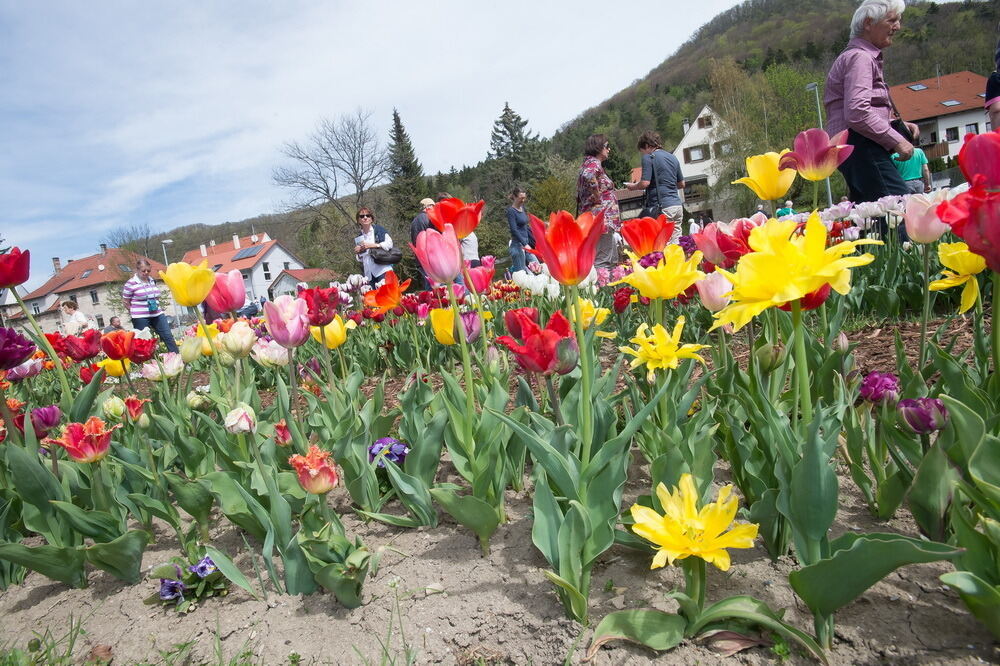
{"points": [[698, 153], [288, 281], [259, 258], [945, 108]]}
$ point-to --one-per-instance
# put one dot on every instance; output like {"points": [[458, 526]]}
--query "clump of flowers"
{"points": [[387, 448], [183, 585]]}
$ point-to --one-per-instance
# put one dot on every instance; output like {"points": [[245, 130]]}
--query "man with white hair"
{"points": [[857, 99]]}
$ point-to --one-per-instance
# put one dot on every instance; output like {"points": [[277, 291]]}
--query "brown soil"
{"points": [[456, 607]]}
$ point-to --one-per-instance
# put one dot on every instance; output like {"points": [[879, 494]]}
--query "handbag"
{"points": [[898, 125], [385, 257], [652, 211]]}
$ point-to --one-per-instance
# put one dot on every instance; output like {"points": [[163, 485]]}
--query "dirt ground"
{"points": [[435, 596]]}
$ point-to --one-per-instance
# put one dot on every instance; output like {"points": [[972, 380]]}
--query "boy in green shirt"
{"points": [[914, 171]]}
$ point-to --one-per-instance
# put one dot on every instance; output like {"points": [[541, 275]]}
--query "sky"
{"points": [[115, 113]]}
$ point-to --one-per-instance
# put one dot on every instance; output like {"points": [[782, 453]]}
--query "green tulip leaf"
{"points": [[228, 569], [65, 565], [122, 558], [654, 629], [981, 598]]}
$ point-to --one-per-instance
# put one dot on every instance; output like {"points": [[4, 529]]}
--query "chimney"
{"points": [[204, 250], [686, 125], [236, 242], [56, 265], [104, 248]]}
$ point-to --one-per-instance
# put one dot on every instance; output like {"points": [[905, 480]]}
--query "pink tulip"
{"points": [[287, 320], [817, 155], [423, 311], [481, 276], [439, 253], [713, 289], [228, 293], [922, 223]]}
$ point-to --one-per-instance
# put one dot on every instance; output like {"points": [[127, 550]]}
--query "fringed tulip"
{"points": [[316, 471], [143, 348], [568, 246], [85, 346], [668, 277], [659, 350], [228, 293], [321, 304], [764, 177], [15, 349], [462, 216], [816, 154], [439, 253], [189, 284], [548, 350], [86, 442], [287, 320], [646, 235]]}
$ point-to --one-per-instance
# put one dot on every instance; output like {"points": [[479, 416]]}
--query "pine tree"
{"points": [[407, 185], [517, 149]]}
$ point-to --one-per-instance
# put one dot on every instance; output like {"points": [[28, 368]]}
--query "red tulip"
{"points": [[14, 267], [979, 160], [86, 442], [87, 372], [567, 246], [646, 235], [142, 349], [322, 304], [282, 435], [134, 406], [622, 298], [83, 347], [228, 293], [720, 248], [810, 301], [439, 253], [546, 351], [464, 217], [481, 276], [387, 296], [118, 344], [974, 216], [817, 155], [57, 341]]}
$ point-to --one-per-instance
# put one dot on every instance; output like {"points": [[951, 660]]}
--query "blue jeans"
{"points": [[160, 325], [517, 261]]}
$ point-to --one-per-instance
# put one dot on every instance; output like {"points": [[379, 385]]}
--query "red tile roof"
{"points": [[964, 87], [312, 274], [222, 254], [88, 272]]}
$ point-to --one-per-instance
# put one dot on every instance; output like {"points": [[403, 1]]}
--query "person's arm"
{"points": [[588, 181], [927, 178], [995, 115], [859, 77], [127, 293], [386, 244], [647, 174]]}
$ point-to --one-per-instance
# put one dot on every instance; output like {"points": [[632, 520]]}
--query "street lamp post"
{"points": [[166, 262], [814, 87]]}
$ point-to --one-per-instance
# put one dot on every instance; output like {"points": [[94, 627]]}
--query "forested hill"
{"points": [[758, 34]]}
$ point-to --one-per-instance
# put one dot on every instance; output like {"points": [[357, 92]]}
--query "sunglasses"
{"points": [[364, 215]]}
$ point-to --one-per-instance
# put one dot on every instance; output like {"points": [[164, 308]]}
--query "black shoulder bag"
{"points": [[652, 211], [381, 256]]}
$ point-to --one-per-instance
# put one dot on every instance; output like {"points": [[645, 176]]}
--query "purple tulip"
{"points": [[923, 415], [473, 325], [44, 419], [29, 368], [206, 567], [389, 448], [14, 348], [313, 365], [688, 245], [880, 387], [651, 260]]}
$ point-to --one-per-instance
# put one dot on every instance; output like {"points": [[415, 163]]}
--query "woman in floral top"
{"points": [[595, 192]]}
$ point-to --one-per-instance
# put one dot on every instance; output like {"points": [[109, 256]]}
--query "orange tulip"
{"points": [[646, 235], [388, 295], [464, 217], [118, 344], [567, 246]]}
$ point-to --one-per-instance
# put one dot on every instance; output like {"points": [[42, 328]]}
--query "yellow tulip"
{"points": [[189, 284], [114, 368], [333, 334], [684, 530], [785, 266], [764, 177], [669, 278], [660, 350], [591, 314], [443, 324], [964, 267]]}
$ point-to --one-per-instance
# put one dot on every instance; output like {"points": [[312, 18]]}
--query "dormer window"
{"points": [[951, 102], [917, 86]]}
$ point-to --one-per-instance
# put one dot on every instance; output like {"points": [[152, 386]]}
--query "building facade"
{"points": [[259, 258], [945, 108], [698, 152]]}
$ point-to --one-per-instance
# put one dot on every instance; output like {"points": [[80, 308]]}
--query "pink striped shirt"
{"points": [[139, 291], [857, 96]]}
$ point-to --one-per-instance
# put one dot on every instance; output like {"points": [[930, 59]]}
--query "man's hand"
{"points": [[914, 130], [904, 149]]}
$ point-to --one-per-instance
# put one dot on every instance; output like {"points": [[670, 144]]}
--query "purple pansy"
{"points": [[389, 448]]}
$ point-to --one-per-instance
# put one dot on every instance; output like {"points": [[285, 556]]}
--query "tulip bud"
{"points": [[880, 387], [769, 357], [923, 415], [241, 419], [240, 339], [225, 358], [198, 401], [190, 350], [143, 421], [567, 353], [841, 344], [114, 408]]}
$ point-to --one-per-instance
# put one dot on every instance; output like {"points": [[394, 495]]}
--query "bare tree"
{"points": [[333, 171], [137, 238]]}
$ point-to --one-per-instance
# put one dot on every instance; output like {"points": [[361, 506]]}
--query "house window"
{"points": [[972, 128], [950, 102], [100, 321], [696, 154], [287, 265], [35, 309], [917, 86], [73, 298], [246, 276], [86, 273], [705, 122], [695, 190], [93, 297], [267, 270], [933, 137], [951, 134]]}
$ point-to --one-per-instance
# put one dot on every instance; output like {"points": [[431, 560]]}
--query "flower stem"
{"points": [[694, 579], [801, 369], [925, 315], [67, 396], [994, 328], [215, 357], [554, 397], [586, 360], [470, 402], [815, 194], [8, 418]]}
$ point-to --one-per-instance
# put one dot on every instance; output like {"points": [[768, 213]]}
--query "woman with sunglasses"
{"points": [[372, 236]]}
